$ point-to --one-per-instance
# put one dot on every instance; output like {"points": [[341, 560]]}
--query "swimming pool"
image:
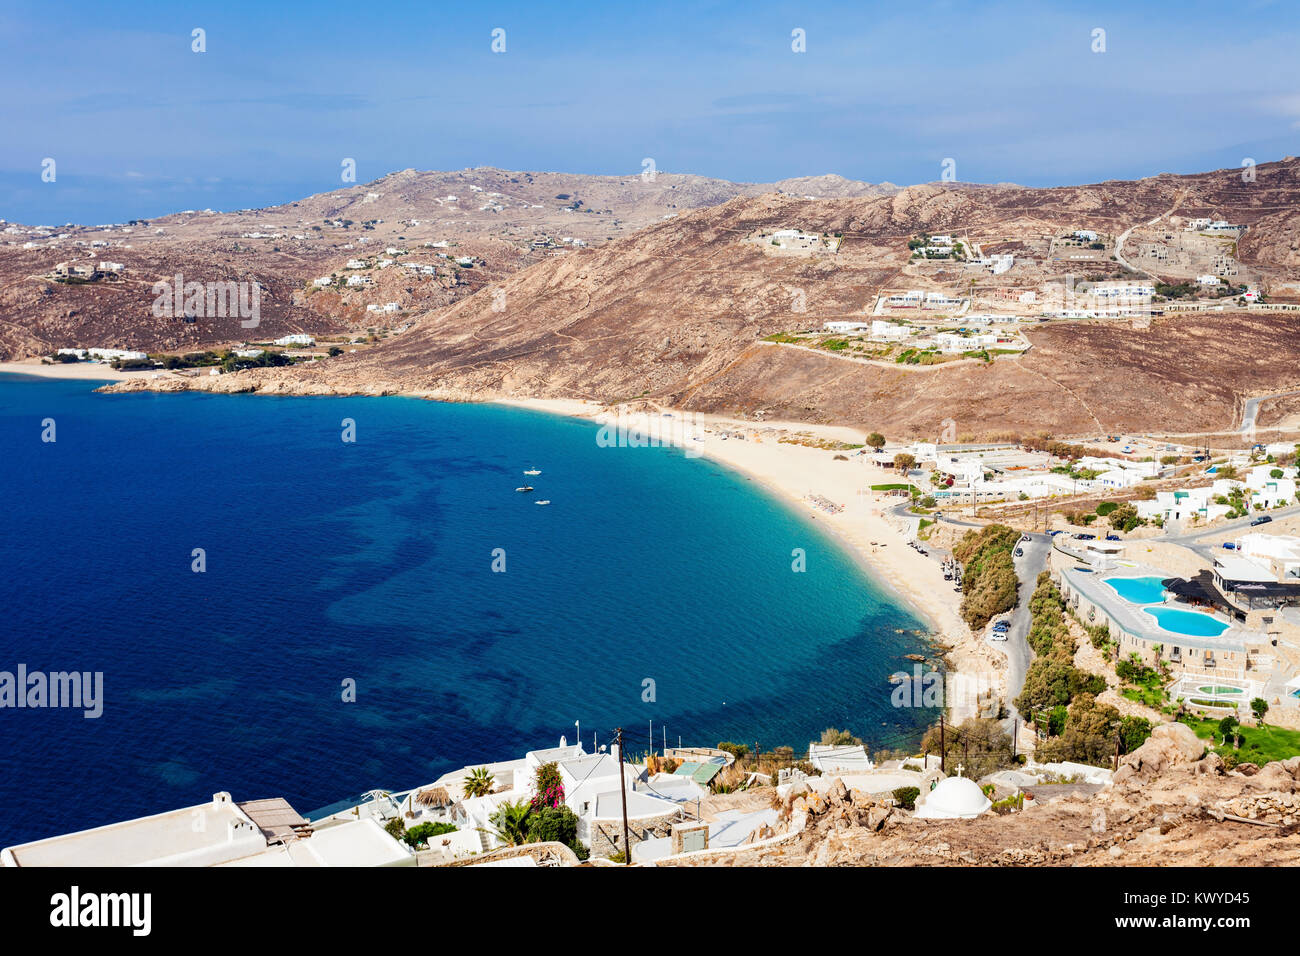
{"points": [[1191, 623], [1138, 590], [1214, 690]]}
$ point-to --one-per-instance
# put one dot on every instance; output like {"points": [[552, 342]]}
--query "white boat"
{"points": [[532, 471], [543, 501], [525, 488]]}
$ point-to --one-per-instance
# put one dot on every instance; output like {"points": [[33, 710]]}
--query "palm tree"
{"points": [[479, 783], [510, 823]]}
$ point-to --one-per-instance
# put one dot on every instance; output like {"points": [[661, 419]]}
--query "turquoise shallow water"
{"points": [[371, 561]]}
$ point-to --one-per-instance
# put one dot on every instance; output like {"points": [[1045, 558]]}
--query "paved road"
{"points": [[1016, 646], [1189, 539], [1251, 410]]}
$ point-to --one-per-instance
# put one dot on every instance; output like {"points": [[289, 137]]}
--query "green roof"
{"points": [[701, 773]]}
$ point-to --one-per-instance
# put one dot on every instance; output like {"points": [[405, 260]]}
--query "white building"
{"points": [[359, 281], [832, 758], [253, 833], [1120, 289], [795, 239], [953, 798], [1207, 280], [842, 327], [951, 343], [296, 338], [322, 282], [105, 355], [910, 299], [1279, 554], [890, 331], [941, 300], [998, 264]]}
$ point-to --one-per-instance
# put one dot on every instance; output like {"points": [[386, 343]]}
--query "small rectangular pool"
{"points": [[1147, 590]]}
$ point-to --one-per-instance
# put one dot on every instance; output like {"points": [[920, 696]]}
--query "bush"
{"points": [[989, 581], [839, 738], [556, 825], [422, 833], [906, 797]]}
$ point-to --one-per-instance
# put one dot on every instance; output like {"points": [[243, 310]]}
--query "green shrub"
{"points": [[906, 797], [423, 832], [989, 581]]}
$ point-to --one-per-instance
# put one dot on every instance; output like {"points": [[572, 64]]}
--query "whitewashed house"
{"points": [[889, 331]]}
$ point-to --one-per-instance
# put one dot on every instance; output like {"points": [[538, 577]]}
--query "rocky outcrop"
{"points": [[1170, 745]]}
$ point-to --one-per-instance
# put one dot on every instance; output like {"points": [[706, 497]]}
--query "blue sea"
{"points": [[372, 562]]}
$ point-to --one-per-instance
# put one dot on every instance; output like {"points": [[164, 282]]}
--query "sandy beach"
{"points": [[86, 371], [794, 472]]}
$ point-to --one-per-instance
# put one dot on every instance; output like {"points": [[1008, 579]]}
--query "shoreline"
{"points": [[73, 371], [790, 472]]}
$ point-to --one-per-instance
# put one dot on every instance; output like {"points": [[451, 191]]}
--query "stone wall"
{"points": [[607, 835]]}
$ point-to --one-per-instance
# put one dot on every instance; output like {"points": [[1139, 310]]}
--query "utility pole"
{"points": [[1116, 767], [622, 789], [943, 748]]}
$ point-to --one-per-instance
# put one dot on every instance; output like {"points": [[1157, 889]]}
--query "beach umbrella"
{"points": [[434, 797]]}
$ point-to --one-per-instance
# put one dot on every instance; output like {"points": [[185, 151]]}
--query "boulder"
{"points": [[877, 816], [1183, 738], [1212, 764], [1168, 746]]}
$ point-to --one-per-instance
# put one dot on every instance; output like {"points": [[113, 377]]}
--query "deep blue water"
{"points": [[372, 561]]}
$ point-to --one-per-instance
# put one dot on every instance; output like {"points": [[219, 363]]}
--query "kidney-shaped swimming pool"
{"points": [[1191, 623]]}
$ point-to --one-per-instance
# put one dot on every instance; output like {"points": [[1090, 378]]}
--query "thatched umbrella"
{"points": [[436, 797]]}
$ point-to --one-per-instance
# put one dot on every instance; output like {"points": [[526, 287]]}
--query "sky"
{"points": [[138, 124]]}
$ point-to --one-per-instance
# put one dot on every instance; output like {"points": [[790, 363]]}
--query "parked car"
{"points": [[1024, 537], [1229, 546], [1053, 534], [1262, 519], [1085, 537], [1020, 552], [998, 636], [1113, 537]]}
